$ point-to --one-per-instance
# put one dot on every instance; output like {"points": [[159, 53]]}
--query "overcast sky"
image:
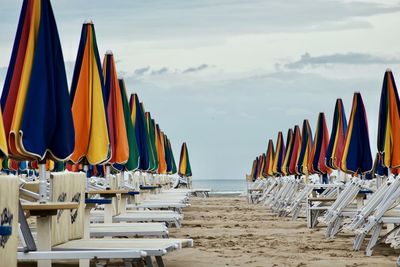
{"points": [[227, 75]]}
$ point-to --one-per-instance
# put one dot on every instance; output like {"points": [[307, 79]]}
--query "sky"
{"points": [[226, 75]]}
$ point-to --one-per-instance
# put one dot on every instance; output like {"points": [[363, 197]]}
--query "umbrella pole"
{"points": [[108, 178], [42, 182], [85, 170]]}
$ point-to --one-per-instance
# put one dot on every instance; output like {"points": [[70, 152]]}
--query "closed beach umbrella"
{"points": [[378, 168], [261, 166], [253, 173], [115, 113], [139, 125], [35, 100], [92, 143], [334, 152], [288, 152], [162, 163], [321, 140], [173, 162], [357, 157], [389, 123], [168, 152], [3, 142], [295, 150], [305, 149], [279, 155], [152, 142], [185, 169], [133, 159], [269, 159]]}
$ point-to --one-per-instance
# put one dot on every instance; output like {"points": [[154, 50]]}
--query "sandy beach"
{"points": [[229, 232]]}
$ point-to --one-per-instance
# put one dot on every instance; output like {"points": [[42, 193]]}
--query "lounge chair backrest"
{"points": [[68, 224], [9, 199]]}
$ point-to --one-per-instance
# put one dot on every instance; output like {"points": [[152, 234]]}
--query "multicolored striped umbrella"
{"points": [[334, 153], [133, 160], [174, 169], [279, 155], [378, 168], [152, 142], [389, 123], [295, 150], [269, 159], [139, 125], [35, 100], [253, 173], [3, 142], [316, 163], [162, 163], [261, 166], [185, 169], [115, 112], [92, 143], [357, 157], [288, 153], [305, 149]]}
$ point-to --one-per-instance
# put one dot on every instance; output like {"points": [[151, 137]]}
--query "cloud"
{"points": [[307, 60], [159, 71], [142, 71], [196, 69]]}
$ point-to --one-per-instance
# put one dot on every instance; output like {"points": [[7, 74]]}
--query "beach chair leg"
{"points": [[149, 262], [336, 228], [178, 224], [374, 238], [160, 262], [128, 263], [358, 241]]}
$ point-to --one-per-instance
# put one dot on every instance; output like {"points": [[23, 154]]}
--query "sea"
{"points": [[222, 186]]}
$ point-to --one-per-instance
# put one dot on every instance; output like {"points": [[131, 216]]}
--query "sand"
{"points": [[229, 232]]}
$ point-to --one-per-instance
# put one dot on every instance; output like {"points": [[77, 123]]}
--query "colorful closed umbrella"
{"points": [[3, 142], [316, 163], [305, 149], [288, 153], [378, 168], [151, 139], [174, 169], [334, 152], [269, 159], [133, 159], [185, 169], [35, 100], [357, 157], [115, 112], [261, 166], [92, 143], [139, 125], [162, 163], [295, 150], [389, 123], [279, 155], [167, 151], [253, 173]]}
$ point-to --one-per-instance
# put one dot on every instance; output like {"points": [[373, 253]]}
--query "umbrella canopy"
{"points": [[139, 125], [92, 143], [162, 166], [378, 168], [389, 123], [253, 173], [184, 163], [357, 157], [288, 153], [279, 155], [3, 142], [295, 150], [316, 162], [151, 139], [133, 159], [334, 152], [261, 166], [174, 169], [269, 159], [167, 151], [35, 100], [305, 149], [115, 112]]}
